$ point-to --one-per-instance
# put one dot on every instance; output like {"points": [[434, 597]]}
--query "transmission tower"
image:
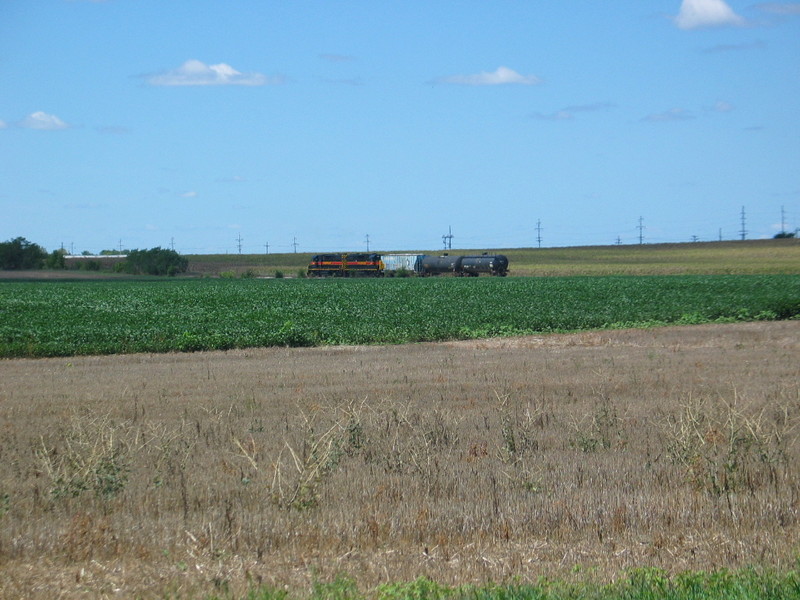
{"points": [[783, 220], [641, 230], [367, 238], [539, 232], [294, 244], [239, 242], [743, 231], [448, 239]]}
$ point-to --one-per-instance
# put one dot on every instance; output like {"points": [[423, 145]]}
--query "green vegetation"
{"points": [[51, 318], [156, 261], [639, 584], [775, 256], [20, 254]]}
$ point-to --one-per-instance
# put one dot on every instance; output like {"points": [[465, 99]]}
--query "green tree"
{"points": [[156, 261], [55, 260], [20, 254]]}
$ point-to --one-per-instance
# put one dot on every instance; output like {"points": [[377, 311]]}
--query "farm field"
{"points": [[781, 256], [63, 318], [571, 457]]}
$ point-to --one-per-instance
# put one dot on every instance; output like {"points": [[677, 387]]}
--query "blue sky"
{"points": [[202, 125]]}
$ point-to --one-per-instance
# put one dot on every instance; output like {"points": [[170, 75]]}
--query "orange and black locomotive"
{"points": [[346, 265]]}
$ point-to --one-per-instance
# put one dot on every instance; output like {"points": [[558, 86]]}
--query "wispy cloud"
{"points": [[757, 45], [720, 106], [502, 76], [780, 8], [195, 72], [3, 124], [699, 14], [671, 115], [337, 58], [43, 121], [112, 130], [353, 81], [568, 112]]}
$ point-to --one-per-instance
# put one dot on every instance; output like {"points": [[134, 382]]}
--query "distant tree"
{"points": [[156, 261], [20, 254], [55, 260], [783, 235]]}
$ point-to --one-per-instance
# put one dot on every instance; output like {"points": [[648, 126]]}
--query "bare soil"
{"points": [[564, 456]]}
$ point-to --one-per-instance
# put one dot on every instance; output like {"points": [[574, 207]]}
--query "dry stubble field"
{"points": [[566, 455]]}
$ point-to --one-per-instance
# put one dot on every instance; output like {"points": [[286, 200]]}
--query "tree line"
{"points": [[20, 254]]}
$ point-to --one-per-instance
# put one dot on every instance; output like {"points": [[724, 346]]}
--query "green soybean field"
{"points": [[63, 318]]}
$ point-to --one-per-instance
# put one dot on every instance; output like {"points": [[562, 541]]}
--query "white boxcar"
{"points": [[397, 262]]}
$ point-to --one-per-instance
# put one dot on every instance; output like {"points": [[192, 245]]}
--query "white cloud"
{"points": [[744, 46], [42, 120], [195, 72], [568, 113], [503, 75], [337, 58], [721, 106], [191, 194], [696, 14], [3, 124], [780, 8], [673, 114]]}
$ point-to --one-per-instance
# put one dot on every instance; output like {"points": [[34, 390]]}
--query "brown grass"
{"points": [[465, 462]]}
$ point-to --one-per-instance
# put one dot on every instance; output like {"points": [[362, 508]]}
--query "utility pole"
{"points": [[239, 242], [120, 246], [448, 239], [720, 234], [641, 230], [367, 242], [266, 248], [619, 241], [539, 232], [294, 244], [783, 220], [743, 232]]}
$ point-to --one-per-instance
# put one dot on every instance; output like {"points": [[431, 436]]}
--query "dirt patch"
{"points": [[465, 462]]}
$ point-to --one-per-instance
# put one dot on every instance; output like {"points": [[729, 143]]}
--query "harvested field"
{"points": [[565, 455]]}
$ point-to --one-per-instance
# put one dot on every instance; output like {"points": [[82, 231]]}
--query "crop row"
{"points": [[69, 318]]}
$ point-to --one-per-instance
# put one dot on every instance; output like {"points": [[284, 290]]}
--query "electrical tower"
{"points": [[294, 244], [367, 238], [448, 239], [539, 232], [743, 231], [641, 230], [239, 243], [266, 248], [783, 220]]}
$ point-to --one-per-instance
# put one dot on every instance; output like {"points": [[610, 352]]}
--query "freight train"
{"points": [[423, 265]]}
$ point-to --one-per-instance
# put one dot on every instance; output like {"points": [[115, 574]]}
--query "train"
{"points": [[360, 264]]}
